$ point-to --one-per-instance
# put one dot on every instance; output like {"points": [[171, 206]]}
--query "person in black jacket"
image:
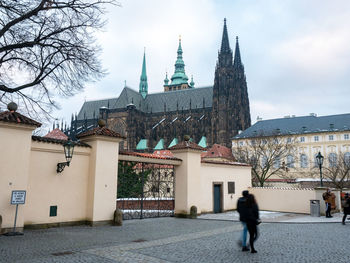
{"points": [[243, 214], [252, 221], [346, 206]]}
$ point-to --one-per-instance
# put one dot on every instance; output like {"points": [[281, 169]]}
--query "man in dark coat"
{"points": [[346, 206], [243, 217]]}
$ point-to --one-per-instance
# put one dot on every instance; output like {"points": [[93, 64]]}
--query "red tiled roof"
{"points": [[57, 141], [101, 131], [218, 151], [57, 134], [187, 145], [15, 117], [163, 153], [149, 155]]}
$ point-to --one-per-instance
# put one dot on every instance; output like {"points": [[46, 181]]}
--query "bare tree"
{"points": [[268, 156], [47, 48], [337, 170]]}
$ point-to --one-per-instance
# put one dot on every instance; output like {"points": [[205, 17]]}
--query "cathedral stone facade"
{"points": [[151, 121]]}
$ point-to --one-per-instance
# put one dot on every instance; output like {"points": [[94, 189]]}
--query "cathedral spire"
{"points": [[237, 62], [179, 76], [225, 53], [225, 45], [143, 88]]}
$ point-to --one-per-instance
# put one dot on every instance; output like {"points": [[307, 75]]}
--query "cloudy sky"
{"points": [[296, 53]]}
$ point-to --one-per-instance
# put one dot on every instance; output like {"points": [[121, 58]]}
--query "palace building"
{"points": [[155, 121]]}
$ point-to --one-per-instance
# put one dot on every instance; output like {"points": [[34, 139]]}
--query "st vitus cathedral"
{"points": [[208, 115]]}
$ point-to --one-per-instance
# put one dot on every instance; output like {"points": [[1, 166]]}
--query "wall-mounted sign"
{"points": [[18, 197]]}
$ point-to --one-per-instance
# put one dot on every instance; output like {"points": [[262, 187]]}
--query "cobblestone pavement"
{"points": [[178, 240]]}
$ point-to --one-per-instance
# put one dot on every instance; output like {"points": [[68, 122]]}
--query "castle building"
{"points": [[155, 121]]}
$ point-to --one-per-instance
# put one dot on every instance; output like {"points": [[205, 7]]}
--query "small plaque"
{"points": [[18, 197]]}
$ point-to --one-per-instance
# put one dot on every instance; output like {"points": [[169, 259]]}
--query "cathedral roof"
{"points": [[298, 125], [154, 102]]}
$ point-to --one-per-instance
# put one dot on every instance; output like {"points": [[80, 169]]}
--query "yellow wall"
{"points": [[283, 199], [15, 141], [223, 173], [46, 187], [84, 191], [194, 182], [102, 182]]}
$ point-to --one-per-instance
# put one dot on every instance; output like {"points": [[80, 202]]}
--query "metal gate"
{"points": [[145, 190]]}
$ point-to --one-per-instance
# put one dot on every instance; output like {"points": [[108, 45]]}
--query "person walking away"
{"points": [[346, 207], [327, 197], [243, 214], [252, 221]]}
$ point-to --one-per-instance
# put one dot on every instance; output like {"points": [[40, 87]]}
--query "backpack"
{"points": [[345, 203]]}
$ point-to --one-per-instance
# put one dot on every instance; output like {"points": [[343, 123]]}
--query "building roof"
{"points": [[57, 141], [154, 102], [298, 125], [57, 134], [186, 145], [15, 117], [218, 151], [100, 131]]}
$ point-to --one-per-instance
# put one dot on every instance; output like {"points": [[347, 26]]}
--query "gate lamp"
{"points": [[68, 152], [319, 159]]}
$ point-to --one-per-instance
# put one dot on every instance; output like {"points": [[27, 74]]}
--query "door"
{"points": [[217, 198]]}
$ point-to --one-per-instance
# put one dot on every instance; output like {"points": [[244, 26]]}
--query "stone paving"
{"points": [[178, 240]]}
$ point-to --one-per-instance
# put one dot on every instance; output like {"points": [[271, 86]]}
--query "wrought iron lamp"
{"points": [[68, 152], [319, 159]]}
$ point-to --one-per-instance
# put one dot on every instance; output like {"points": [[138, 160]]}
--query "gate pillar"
{"points": [[103, 173], [187, 177]]}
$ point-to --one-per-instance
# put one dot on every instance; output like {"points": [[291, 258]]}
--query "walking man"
{"points": [[243, 216]]}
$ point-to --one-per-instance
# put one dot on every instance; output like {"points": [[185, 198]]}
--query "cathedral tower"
{"points": [[143, 87], [230, 97]]}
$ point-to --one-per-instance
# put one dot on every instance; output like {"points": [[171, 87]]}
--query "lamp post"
{"points": [[319, 159], [68, 152]]}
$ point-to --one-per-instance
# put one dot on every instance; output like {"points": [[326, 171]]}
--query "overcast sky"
{"points": [[296, 53]]}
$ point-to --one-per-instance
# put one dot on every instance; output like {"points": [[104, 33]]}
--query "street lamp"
{"points": [[319, 159], [68, 152]]}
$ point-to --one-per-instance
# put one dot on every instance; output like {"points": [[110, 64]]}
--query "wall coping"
{"points": [[283, 188]]}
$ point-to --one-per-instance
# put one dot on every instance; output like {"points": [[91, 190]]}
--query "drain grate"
{"points": [[139, 240], [63, 253]]}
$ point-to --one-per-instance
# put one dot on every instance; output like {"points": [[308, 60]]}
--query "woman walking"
{"points": [[252, 221]]}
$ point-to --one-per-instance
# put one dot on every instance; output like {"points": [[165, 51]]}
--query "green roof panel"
{"points": [[142, 145], [160, 145], [173, 142], [203, 142]]}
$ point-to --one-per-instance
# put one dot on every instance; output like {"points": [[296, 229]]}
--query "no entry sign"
{"points": [[18, 197]]}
